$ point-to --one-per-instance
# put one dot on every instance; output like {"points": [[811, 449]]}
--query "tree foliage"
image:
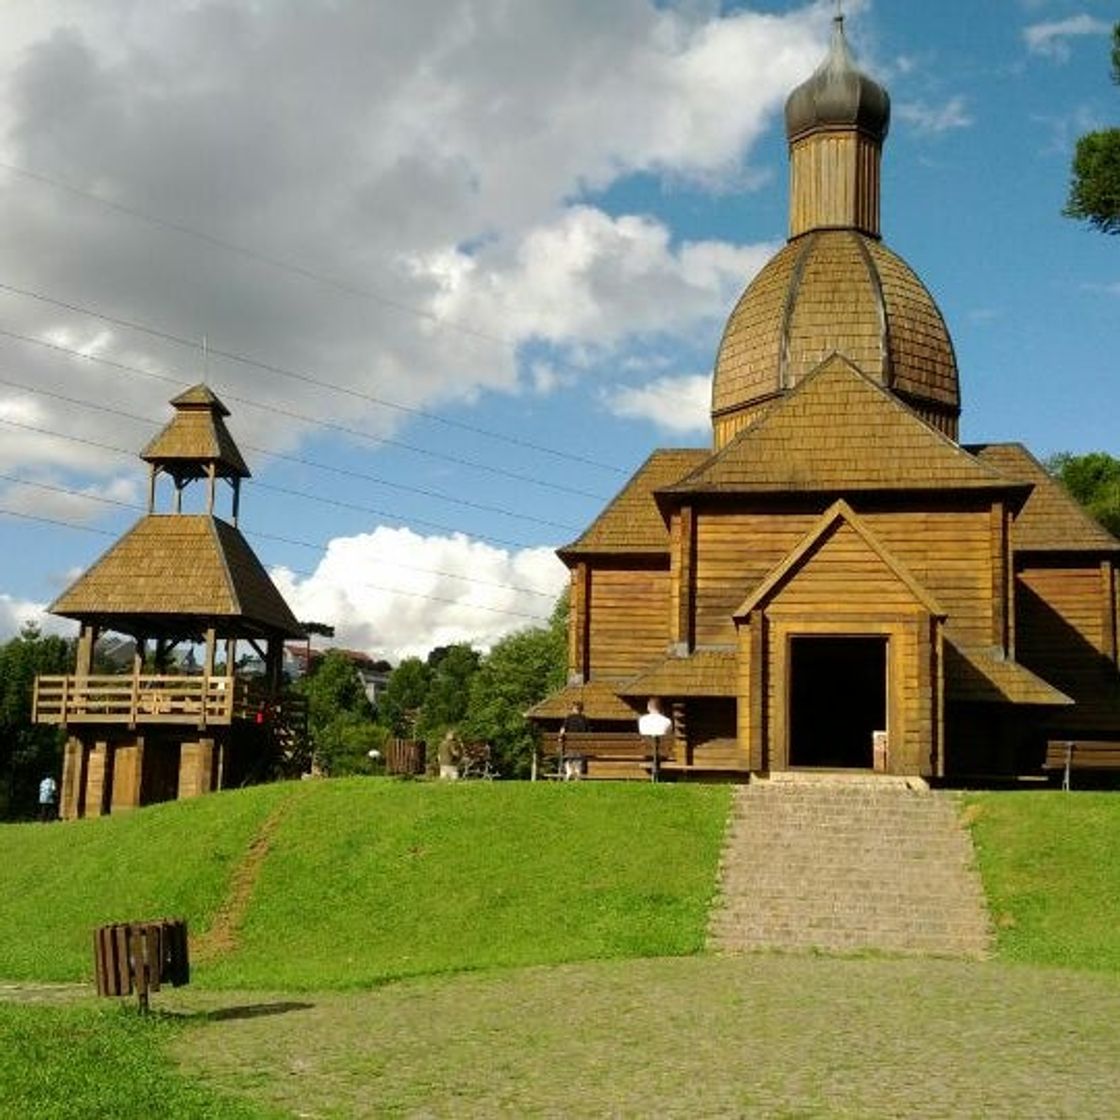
{"points": [[27, 752], [399, 707], [1094, 480], [520, 670], [1094, 189], [451, 669], [340, 716]]}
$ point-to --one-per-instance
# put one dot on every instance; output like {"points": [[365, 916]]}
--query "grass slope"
{"points": [[372, 880], [1050, 862], [60, 881], [366, 880]]}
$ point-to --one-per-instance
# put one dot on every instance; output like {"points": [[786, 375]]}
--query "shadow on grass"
{"points": [[256, 1010]]}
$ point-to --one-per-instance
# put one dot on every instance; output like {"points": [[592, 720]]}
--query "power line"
{"points": [[317, 546], [348, 472], [22, 425], [302, 571], [307, 379], [291, 414]]}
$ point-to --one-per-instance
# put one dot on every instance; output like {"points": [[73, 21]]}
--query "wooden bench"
{"points": [[1067, 755], [611, 747]]}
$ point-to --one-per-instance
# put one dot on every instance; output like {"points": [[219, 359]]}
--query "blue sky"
{"points": [[462, 265]]}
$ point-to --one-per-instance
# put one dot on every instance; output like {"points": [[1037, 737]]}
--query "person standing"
{"points": [[48, 791], [450, 751], [654, 725], [572, 766]]}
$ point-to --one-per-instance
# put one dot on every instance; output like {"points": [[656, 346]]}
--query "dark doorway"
{"points": [[837, 698]]}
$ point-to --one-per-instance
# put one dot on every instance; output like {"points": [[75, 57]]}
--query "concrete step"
{"points": [[848, 863]]}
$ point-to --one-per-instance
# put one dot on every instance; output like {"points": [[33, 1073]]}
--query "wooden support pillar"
{"points": [[179, 484], [939, 699], [1108, 611], [196, 768], [87, 639], [579, 616], [679, 713], [98, 780], [128, 775], [912, 757], [1001, 583], [236, 483], [231, 656], [762, 752], [210, 652], [152, 488], [274, 664], [683, 580], [71, 796], [212, 479]]}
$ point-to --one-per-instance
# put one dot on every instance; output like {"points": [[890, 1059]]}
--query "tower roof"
{"points": [[196, 437], [836, 290], [838, 95], [171, 570]]}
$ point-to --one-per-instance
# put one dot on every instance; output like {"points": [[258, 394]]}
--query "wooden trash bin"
{"points": [[140, 957]]}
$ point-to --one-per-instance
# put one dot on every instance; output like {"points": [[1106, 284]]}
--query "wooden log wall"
{"points": [[1066, 632], [950, 553], [629, 620]]}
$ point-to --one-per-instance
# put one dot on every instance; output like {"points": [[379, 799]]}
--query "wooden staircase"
{"points": [[848, 863]]}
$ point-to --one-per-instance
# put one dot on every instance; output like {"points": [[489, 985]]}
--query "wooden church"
{"points": [[837, 570], [175, 579]]}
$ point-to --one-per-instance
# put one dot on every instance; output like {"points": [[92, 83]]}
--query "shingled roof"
{"points": [[981, 676], [196, 436], [704, 673], [599, 698], [1052, 520], [171, 566], [632, 523], [838, 431]]}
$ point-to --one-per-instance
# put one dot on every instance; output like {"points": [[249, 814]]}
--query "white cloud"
{"points": [[395, 593], [935, 118], [366, 143], [17, 613], [1051, 38], [675, 404]]}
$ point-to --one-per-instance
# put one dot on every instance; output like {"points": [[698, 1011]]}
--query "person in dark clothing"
{"points": [[573, 766]]}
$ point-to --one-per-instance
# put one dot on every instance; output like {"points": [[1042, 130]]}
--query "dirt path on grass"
{"points": [[222, 937]]}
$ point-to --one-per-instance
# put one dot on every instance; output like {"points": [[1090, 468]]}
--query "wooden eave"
{"points": [[600, 701], [179, 569], [975, 675], [838, 512], [838, 431], [631, 524], [1051, 520], [703, 673]]}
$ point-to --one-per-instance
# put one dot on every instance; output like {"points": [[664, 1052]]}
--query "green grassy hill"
{"points": [[357, 881]]}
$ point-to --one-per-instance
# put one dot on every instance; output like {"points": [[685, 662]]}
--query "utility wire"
{"points": [[307, 379], [291, 414], [317, 546], [361, 475], [22, 425]]}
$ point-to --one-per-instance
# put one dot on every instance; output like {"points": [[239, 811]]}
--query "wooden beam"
{"points": [[1108, 611], [760, 750], [579, 614], [210, 653], [1000, 583], [682, 623]]}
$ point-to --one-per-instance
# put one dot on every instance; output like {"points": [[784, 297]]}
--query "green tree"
{"points": [[1094, 480], [340, 717], [1094, 189], [451, 671], [400, 704], [27, 751], [519, 671]]}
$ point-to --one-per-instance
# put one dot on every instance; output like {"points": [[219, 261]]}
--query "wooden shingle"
{"points": [[981, 676], [704, 673], [1052, 520], [175, 565], [839, 431], [195, 436], [599, 698], [631, 523]]}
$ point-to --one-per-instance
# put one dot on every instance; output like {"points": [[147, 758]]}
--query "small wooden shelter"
{"points": [[838, 572], [175, 578]]}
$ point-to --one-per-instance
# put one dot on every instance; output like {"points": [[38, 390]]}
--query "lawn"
{"points": [[1050, 862]]}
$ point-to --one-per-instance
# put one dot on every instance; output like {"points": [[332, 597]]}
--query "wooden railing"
{"points": [[155, 699]]}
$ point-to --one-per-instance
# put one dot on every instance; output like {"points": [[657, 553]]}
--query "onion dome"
{"points": [[835, 291], [839, 95], [835, 288]]}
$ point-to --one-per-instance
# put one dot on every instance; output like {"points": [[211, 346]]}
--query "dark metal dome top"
{"points": [[838, 95]]}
